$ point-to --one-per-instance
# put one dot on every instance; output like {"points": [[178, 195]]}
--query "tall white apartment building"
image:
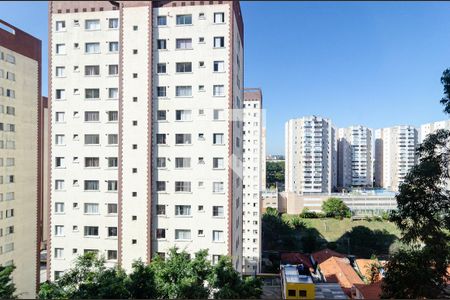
{"points": [[311, 155], [355, 157], [429, 128], [146, 105], [253, 179], [20, 156], [394, 155]]}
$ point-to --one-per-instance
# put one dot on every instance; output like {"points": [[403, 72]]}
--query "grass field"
{"points": [[333, 229]]}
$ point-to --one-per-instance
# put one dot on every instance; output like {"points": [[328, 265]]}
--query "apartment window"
{"points": [[183, 115], [91, 116], [91, 162], [60, 26], [161, 44], [160, 210], [91, 208], [112, 231], [91, 185], [184, 43], [201, 88], [113, 70], [112, 162], [219, 66], [183, 91], [112, 185], [218, 139], [59, 139], [113, 93], [219, 42], [60, 94], [215, 259], [10, 110], [182, 234], [59, 116], [161, 162], [218, 114], [112, 208], [91, 70], [160, 186], [218, 163], [218, 187], [161, 91], [60, 48], [113, 139], [162, 20], [60, 72], [217, 236], [219, 17], [59, 162], [161, 68], [183, 186], [92, 48], [161, 115], [161, 139], [113, 23], [184, 19], [113, 116], [59, 230], [184, 67], [112, 255], [90, 231], [92, 24], [113, 47], [59, 207], [292, 293], [91, 139], [160, 233], [218, 211], [59, 185], [182, 210], [92, 93], [219, 90], [59, 252], [183, 139], [182, 162], [11, 76], [10, 93]]}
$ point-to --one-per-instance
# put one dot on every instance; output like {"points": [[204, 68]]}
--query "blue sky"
{"points": [[372, 63]]}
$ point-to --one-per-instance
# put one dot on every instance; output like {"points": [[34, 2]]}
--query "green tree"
{"points": [[336, 208], [423, 216], [275, 173], [7, 287], [228, 284], [141, 281], [88, 279], [180, 277]]}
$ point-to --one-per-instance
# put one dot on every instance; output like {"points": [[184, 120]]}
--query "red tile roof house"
{"points": [[296, 258], [338, 270], [324, 254], [368, 291]]}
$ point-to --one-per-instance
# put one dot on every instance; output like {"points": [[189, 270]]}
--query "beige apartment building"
{"points": [[145, 105], [21, 163]]}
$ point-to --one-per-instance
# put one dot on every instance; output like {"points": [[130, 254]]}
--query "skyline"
{"points": [[386, 60]]}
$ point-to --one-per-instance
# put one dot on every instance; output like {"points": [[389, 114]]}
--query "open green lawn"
{"points": [[332, 229]]}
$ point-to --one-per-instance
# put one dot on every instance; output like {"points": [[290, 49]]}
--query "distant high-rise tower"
{"points": [[146, 105], [355, 157], [21, 164], [394, 155], [253, 179], [429, 128], [311, 155]]}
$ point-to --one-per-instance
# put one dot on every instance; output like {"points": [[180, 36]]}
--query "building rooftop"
{"points": [[339, 270], [329, 291], [370, 291], [296, 258], [324, 254], [291, 275]]}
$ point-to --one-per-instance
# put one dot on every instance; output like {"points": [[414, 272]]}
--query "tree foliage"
{"points": [[275, 173], [7, 287], [179, 276], [423, 216], [336, 208]]}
